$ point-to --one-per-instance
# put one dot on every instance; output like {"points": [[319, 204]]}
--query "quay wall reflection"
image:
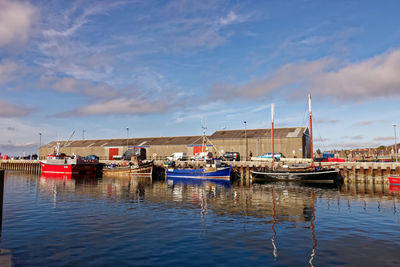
{"points": [[286, 201]]}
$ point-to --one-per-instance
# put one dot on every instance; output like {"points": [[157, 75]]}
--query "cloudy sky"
{"points": [[159, 67]]}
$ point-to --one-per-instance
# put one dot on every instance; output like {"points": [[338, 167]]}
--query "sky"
{"points": [[159, 68]]}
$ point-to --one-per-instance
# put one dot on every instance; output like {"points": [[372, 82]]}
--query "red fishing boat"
{"points": [[394, 179], [59, 163]]}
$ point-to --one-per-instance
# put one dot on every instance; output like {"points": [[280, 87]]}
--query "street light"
{"points": [[245, 138], [395, 140], [83, 134], [127, 137], [40, 143]]}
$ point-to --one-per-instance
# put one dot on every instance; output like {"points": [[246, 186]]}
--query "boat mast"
{"points": [[311, 136], [204, 127], [272, 133]]}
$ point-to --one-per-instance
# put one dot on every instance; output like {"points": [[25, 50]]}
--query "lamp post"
{"points": [[127, 137], [40, 143], [83, 134], [395, 140], [245, 140]]}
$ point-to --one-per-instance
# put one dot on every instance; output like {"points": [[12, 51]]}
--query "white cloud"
{"points": [[120, 106], [369, 122], [383, 138], [16, 137], [229, 19], [76, 86], [16, 20], [328, 121], [9, 110], [376, 77], [8, 71]]}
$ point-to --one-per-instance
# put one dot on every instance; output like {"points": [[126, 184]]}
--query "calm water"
{"points": [[104, 222]]}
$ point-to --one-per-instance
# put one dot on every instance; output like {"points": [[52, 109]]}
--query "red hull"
{"points": [[68, 168], [394, 180], [394, 189]]}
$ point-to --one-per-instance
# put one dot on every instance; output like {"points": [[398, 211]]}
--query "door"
{"points": [[112, 152]]}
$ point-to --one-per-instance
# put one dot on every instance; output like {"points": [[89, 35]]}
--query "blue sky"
{"points": [[160, 67]]}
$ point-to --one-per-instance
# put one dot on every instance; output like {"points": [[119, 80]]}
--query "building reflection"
{"points": [[270, 204]]}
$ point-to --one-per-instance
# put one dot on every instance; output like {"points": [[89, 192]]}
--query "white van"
{"points": [[177, 156]]}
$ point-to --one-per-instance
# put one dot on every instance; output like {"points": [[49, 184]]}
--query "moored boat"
{"points": [[140, 169], [213, 170], [301, 172], [311, 174], [394, 179], [59, 163]]}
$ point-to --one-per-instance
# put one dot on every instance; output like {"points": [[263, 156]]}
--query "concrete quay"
{"points": [[368, 172]]}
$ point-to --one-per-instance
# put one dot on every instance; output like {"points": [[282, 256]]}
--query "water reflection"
{"points": [[270, 223], [277, 200]]}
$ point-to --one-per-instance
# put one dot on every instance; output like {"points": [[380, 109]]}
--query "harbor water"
{"points": [[50, 221]]}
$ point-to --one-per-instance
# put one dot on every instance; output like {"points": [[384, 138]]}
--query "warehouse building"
{"points": [[291, 142]]}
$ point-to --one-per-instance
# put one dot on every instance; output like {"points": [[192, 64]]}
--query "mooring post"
{"points": [[241, 175], [247, 174], [1, 198]]}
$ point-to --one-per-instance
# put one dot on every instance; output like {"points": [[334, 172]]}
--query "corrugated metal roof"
{"points": [[173, 140], [294, 132]]}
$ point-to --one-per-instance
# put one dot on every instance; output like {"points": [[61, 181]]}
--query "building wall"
{"points": [[289, 147]]}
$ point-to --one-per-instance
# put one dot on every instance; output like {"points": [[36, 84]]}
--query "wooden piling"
{"points": [[1, 198], [241, 175], [247, 175]]}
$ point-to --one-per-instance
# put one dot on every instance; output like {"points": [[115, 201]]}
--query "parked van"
{"points": [[177, 156]]}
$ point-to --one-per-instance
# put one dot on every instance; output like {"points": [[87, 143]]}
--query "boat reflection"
{"points": [[275, 208], [175, 181], [65, 176], [312, 227], [275, 250]]}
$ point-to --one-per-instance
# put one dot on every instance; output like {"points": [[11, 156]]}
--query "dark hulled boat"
{"points": [[301, 172]]}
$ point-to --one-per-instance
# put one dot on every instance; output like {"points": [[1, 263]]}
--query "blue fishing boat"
{"points": [[213, 170]]}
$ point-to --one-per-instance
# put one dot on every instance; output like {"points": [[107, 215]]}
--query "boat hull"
{"points": [[220, 174], [394, 180], [311, 175], [69, 168], [142, 170]]}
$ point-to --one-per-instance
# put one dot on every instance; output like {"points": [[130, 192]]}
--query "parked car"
{"points": [[177, 156], [91, 158], [232, 156]]}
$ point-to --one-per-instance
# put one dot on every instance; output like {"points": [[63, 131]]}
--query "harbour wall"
{"points": [[368, 172], [31, 166]]}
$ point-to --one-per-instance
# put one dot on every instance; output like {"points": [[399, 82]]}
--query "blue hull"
{"points": [[195, 181], [222, 174]]}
